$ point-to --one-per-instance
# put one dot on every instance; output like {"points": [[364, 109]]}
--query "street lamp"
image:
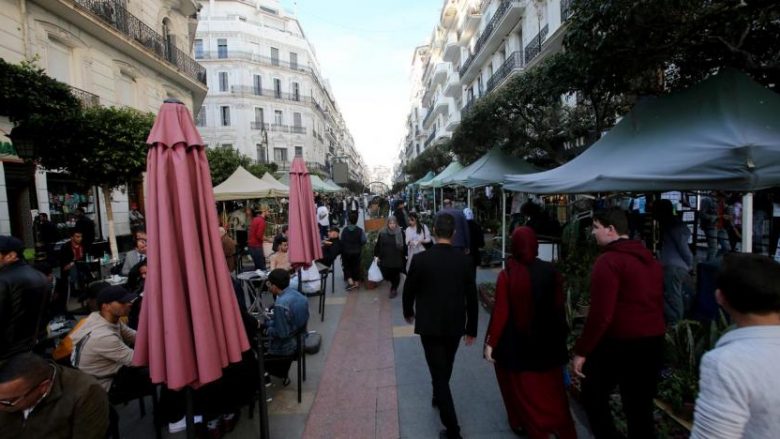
{"points": [[264, 135]]}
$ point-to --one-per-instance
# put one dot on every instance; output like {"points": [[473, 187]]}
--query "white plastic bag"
{"points": [[310, 278], [374, 273]]}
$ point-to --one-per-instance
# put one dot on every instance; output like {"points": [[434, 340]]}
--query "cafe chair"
{"points": [[299, 357]]}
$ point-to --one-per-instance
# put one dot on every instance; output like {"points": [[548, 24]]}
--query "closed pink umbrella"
{"points": [[303, 233], [190, 327]]}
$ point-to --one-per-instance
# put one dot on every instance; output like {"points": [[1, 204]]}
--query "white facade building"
{"points": [[267, 97], [473, 50], [112, 53]]}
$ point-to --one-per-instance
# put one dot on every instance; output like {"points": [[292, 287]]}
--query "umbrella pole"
{"points": [[469, 197], [262, 404], [190, 413], [503, 228], [747, 223]]}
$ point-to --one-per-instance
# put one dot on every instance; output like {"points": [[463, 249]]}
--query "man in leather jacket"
{"points": [[23, 293]]}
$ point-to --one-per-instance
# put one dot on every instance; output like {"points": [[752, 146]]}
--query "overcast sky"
{"points": [[365, 50]]}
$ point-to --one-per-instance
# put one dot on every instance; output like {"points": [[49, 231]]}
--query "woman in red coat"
{"points": [[526, 340]]}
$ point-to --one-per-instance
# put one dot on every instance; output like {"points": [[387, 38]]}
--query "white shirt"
{"points": [[322, 216], [739, 386]]}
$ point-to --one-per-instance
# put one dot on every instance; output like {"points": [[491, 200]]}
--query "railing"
{"points": [[534, 48], [467, 107], [297, 130], [256, 125], [262, 59], [428, 116], [250, 90], [87, 99], [566, 9], [486, 34], [281, 128], [514, 61], [116, 16], [430, 137]]}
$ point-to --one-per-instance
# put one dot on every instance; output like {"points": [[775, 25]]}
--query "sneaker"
{"points": [[181, 424], [267, 380], [286, 382]]}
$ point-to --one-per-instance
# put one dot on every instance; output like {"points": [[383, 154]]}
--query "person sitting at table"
{"points": [[280, 259], [290, 314], [137, 254], [331, 247], [103, 345], [70, 253], [281, 236]]}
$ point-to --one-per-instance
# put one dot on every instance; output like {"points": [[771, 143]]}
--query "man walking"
{"points": [[622, 342], [440, 298], [461, 240], [738, 394], [256, 237]]}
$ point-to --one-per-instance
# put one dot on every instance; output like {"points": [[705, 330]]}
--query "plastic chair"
{"points": [[299, 357]]}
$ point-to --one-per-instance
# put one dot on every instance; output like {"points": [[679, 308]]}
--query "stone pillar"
{"points": [[5, 218]]}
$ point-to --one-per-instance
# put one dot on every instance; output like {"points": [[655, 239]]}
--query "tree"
{"points": [[223, 162], [434, 158], [26, 90]]}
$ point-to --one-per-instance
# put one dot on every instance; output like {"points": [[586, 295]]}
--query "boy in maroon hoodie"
{"points": [[622, 342]]}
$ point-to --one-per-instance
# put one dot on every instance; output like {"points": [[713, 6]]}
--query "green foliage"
{"points": [[223, 161], [434, 158], [398, 187], [25, 90], [367, 254]]}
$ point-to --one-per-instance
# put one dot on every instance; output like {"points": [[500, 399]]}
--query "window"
{"points": [[201, 120], [299, 151], [227, 145], [277, 88], [280, 155], [198, 49], [278, 117], [222, 50], [274, 56], [58, 61], [225, 112], [259, 118], [261, 158], [258, 85], [223, 81], [293, 60], [296, 91], [297, 120], [126, 89]]}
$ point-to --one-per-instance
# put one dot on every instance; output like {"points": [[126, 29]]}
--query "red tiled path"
{"points": [[356, 397]]}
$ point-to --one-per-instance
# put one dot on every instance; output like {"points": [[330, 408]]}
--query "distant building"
{"points": [[112, 53], [472, 51], [267, 97]]}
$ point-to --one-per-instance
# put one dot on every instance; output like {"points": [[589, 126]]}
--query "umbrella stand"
{"points": [[190, 413], [263, 404]]}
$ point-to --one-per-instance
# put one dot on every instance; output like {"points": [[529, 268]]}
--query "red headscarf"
{"points": [[525, 248]]}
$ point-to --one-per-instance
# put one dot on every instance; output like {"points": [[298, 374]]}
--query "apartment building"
{"points": [[267, 97], [112, 53], [472, 51]]}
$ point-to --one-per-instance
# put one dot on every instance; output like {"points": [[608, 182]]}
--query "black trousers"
{"points": [[392, 275], [632, 365], [440, 355], [351, 265]]}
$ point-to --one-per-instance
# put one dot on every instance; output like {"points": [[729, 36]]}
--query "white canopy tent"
{"points": [[242, 185]]}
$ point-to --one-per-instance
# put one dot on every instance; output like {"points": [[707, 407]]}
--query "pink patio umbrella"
{"points": [[190, 327], [303, 233]]}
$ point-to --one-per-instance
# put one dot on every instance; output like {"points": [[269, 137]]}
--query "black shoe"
{"points": [[286, 382]]}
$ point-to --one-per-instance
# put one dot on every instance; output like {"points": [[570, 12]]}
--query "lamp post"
{"points": [[264, 135]]}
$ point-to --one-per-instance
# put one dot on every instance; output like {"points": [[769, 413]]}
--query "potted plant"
{"points": [[367, 257]]}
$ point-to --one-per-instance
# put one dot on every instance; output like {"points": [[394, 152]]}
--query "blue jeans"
{"points": [[257, 257], [678, 290], [716, 238]]}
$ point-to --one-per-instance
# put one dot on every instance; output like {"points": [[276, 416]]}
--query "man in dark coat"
{"points": [[440, 298], [462, 238], [86, 226], [23, 297]]}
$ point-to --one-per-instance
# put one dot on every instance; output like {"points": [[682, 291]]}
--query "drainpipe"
{"points": [[25, 29]]}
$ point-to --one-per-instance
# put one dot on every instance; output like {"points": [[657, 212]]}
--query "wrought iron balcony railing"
{"points": [[514, 61], [534, 48], [486, 34], [430, 137], [116, 16], [265, 92], [297, 129], [87, 99], [257, 125], [566, 9]]}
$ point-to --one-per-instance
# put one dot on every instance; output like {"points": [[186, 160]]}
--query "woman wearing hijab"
{"points": [[389, 251], [526, 340], [417, 236]]}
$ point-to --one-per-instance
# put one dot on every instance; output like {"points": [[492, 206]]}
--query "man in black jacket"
{"points": [[23, 293], [440, 298]]}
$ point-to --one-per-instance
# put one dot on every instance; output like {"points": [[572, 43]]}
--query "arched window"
{"points": [[168, 39]]}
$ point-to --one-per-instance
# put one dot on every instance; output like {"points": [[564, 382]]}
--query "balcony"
{"points": [[451, 49], [257, 125], [449, 13], [442, 106], [453, 121], [468, 24], [453, 87], [439, 74], [297, 129], [467, 107], [249, 56], [430, 138], [106, 19], [533, 48], [428, 118], [248, 90], [280, 128], [503, 21], [513, 63], [87, 99]]}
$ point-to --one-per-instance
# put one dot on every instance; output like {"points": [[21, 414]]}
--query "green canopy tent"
{"points": [[334, 186], [427, 177], [436, 182]]}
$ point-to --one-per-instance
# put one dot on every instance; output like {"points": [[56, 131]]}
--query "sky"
{"points": [[365, 50]]}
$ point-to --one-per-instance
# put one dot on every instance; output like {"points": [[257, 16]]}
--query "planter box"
{"points": [[375, 224]]}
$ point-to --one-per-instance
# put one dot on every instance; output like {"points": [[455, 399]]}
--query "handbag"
{"points": [[374, 273]]}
